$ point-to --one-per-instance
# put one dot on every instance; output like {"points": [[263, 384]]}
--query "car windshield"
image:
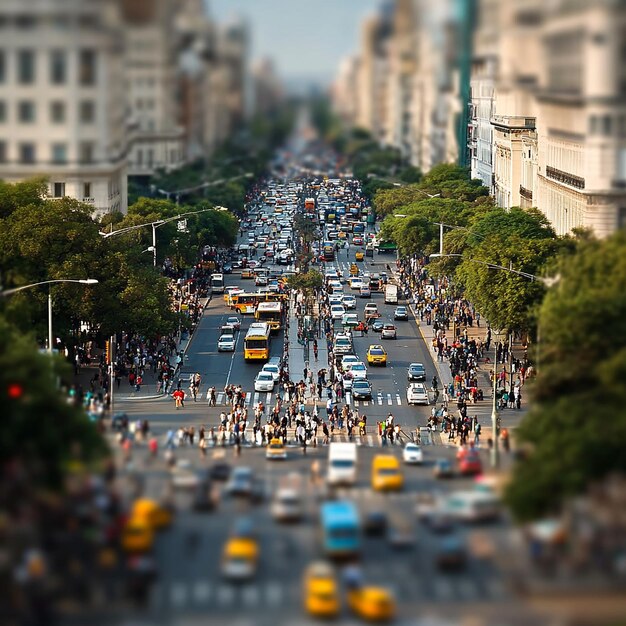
{"points": [[361, 385], [377, 351], [264, 376], [358, 367]]}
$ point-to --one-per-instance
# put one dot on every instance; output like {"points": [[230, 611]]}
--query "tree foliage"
{"points": [[40, 433], [576, 426]]}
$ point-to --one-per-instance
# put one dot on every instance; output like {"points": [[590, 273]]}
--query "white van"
{"points": [[473, 506], [342, 463]]}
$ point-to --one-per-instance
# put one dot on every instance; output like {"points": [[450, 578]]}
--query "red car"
{"points": [[469, 462]]}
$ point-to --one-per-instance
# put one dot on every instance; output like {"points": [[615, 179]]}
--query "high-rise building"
{"points": [[62, 103]]}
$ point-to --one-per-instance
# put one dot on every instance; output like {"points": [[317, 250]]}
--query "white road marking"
{"points": [[380, 398], [178, 594], [225, 595], [268, 399], [202, 591], [251, 595], [256, 398], [398, 399], [274, 593], [389, 400]]}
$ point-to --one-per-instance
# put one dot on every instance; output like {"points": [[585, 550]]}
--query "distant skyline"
{"points": [[306, 39]]}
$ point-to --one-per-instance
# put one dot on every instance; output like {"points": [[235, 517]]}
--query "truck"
{"points": [[391, 294], [342, 463]]}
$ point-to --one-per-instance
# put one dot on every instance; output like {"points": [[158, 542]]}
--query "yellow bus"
{"points": [[245, 303], [256, 345], [270, 312]]}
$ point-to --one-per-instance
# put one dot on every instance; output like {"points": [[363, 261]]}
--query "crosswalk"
{"points": [[252, 398], [222, 596]]}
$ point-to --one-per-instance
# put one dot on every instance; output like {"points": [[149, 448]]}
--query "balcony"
{"points": [[564, 177], [513, 122], [527, 194]]}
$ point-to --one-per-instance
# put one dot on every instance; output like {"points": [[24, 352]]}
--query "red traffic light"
{"points": [[15, 391]]}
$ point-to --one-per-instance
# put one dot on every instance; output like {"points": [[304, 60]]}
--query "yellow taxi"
{"points": [[359, 256], [321, 598], [342, 235], [137, 536], [386, 473], [157, 515], [247, 273], [354, 270], [276, 449], [373, 604], [240, 558], [376, 355]]}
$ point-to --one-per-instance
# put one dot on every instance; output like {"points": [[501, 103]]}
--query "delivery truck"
{"points": [[391, 294]]}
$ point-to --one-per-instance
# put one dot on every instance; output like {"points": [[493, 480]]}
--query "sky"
{"points": [[305, 38]]}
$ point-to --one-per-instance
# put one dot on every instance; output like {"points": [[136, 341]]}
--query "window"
{"points": [[3, 66], [607, 125], [593, 125], [150, 157], [3, 111], [58, 67], [87, 111], [27, 153], [58, 190], [87, 67], [26, 111], [86, 190], [621, 217], [3, 151], [26, 67], [59, 153], [86, 152], [57, 112]]}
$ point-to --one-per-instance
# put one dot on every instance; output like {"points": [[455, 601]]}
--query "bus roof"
{"points": [[339, 512], [258, 329], [271, 307]]}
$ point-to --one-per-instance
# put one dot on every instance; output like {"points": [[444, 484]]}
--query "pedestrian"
{"points": [[477, 431]]}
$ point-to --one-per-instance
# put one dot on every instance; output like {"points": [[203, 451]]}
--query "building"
{"points": [[151, 80], [62, 104]]}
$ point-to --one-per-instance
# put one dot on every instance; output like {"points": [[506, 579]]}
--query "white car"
{"points": [[350, 319], [273, 369], [412, 454], [349, 302], [416, 394], [264, 381], [349, 359], [287, 505], [183, 475], [337, 311], [356, 283], [343, 344], [226, 343], [335, 299], [358, 369]]}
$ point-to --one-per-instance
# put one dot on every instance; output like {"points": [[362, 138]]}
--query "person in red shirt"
{"points": [[179, 398]]}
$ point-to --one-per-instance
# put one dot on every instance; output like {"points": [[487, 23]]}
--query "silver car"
{"points": [[226, 343]]}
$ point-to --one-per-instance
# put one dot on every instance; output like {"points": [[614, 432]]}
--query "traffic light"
{"points": [[108, 352]]}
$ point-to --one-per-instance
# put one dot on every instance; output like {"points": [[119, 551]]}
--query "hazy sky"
{"points": [[306, 38]]}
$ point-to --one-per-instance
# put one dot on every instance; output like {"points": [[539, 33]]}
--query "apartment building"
{"points": [[62, 107]]}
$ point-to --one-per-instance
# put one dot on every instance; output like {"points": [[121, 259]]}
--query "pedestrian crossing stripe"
{"points": [[252, 399]]}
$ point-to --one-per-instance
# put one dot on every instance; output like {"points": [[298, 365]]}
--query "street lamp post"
{"points": [[85, 281]]}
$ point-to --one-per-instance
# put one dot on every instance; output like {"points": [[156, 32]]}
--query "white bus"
{"points": [[217, 283]]}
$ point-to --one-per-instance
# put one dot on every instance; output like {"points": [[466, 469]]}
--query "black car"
{"points": [[227, 268], [220, 471], [375, 522], [361, 389], [377, 326], [417, 372]]}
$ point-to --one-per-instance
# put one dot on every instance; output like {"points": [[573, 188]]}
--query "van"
{"points": [[342, 463], [473, 506]]}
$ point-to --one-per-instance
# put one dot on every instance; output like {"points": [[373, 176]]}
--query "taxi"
{"points": [[354, 270], [386, 473], [240, 558], [373, 604], [157, 515], [376, 355], [247, 273], [137, 536], [359, 256], [342, 235], [276, 449], [321, 597]]}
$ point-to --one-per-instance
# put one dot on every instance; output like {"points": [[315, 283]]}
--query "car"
{"points": [[377, 326], [264, 381], [240, 558], [412, 454], [365, 292], [372, 604], [273, 369], [261, 280], [349, 302], [416, 394], [276, 449], [347, 359], [451, 552], [336, 299], [361, 389], [388, 331], [241, 482], [358, 370], [375, 521], [320, 591], [359, 256], [183, 476], [443, 468], [376, 355], [469, 462], [386, 473], [219, 471], [227, 329], [401, 313], [227, 268], [235, 322], [371, 311], [287, 505], [337, 311], [401, 533], [343, 344], [416, 372], [226, 343], [205, 496], [247, 273], [357, 240], [356, 282]]}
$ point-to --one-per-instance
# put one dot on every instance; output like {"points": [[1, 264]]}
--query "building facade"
{"points": [[62, 105]]}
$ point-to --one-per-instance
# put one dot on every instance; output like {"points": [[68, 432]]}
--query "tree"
{"points": [[40, 433], [576, 427]]}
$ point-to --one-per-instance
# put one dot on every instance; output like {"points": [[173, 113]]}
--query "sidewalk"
{"points": [[125, 392]]}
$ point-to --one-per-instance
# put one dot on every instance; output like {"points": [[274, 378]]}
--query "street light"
{"points": [[83, 281]]}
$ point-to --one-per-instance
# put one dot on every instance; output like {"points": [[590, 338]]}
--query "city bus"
{"points": [[256, 345], [246, 302], [270, 312], [217, 283], [340, 529]]}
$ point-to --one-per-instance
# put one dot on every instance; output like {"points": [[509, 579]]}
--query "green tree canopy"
{"points": [[576, 426]]}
